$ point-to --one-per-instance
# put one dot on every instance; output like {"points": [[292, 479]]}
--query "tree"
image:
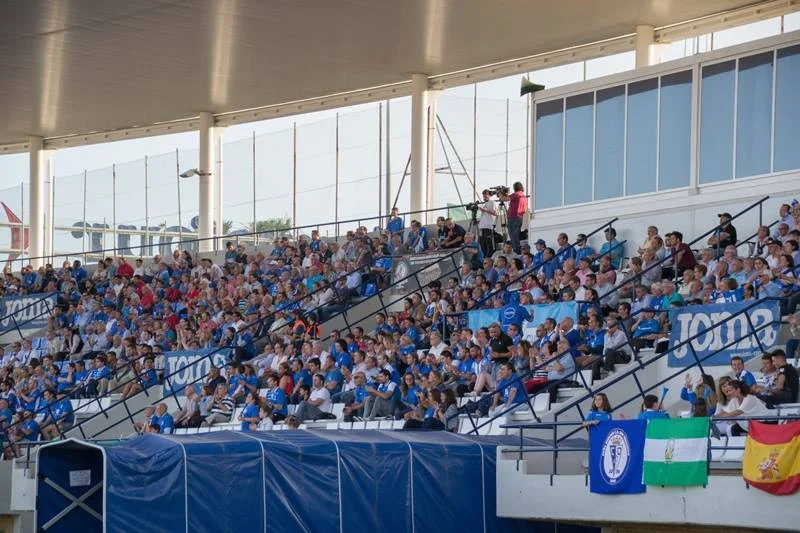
{"points": [[262, 226]]}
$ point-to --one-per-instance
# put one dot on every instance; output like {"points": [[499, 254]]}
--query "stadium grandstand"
{"points": [[608, 340]]}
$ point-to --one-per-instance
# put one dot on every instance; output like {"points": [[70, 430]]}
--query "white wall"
{"points": [[690, 211], [725, 501]]}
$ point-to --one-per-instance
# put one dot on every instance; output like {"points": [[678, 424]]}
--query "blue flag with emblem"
{"points": [[616, 457]]}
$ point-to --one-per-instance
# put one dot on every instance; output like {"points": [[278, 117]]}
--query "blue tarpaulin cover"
{"points": [[285, 481]]}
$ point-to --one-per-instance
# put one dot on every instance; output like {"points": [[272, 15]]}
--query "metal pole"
{"points": [[388, 161], [114, 202], [527, 141], [146, 213], [255, 229], [380, 163], [84, 217], [178, 183], [336, 186], [22, 224], [474, 140], [507, 105], [294, 176]]}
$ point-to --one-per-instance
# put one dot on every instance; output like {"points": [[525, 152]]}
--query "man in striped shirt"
{"points": [[221, 407]]}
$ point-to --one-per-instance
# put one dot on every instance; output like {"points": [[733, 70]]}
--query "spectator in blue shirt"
{"points": [[646, 329], [396, 224], [740, 372], [276, 399], [651, 408], [165, 422], [612, 247], [250, 416], [599, 412], [515, 314], [510, 390]]}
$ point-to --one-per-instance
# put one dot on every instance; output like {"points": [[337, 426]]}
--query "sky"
{"points": [[498, 155]]}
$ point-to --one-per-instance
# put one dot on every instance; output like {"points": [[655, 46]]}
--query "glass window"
{"points": [[787, 109], [642, 144], [578, 149], [675, 136], [754, 115], [549, 141], [609, 158], [716, 122]]}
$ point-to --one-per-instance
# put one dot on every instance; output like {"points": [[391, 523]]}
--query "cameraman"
{"points": [[486, 223], [517, 206]]}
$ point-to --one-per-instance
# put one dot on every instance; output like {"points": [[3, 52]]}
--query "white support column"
{"points": [[49, 201], [207, 203], [37, 199], [419, 143], [645, 46], [430, 172], [218, 182]]}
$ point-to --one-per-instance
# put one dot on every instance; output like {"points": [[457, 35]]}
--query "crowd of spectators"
{"points": [[113, 326]]}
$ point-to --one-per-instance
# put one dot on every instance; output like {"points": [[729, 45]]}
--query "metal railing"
{"points": [[103, 410], [658, 264], [639, 365], [219, 240], [557, 448]]}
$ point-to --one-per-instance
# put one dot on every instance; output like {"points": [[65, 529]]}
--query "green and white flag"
{"points": [[676, 452]]}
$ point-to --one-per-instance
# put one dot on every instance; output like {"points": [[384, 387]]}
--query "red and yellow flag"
{"points": [[772, 457]]}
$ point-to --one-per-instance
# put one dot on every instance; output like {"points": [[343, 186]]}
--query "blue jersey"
{"points": [[505, 386], [600, 416], [302, 378], [33, 427], [647, 327], [249, 411], [513, 314], [277, 398], [343, 360], [62, 411], [166, 424], [360, 394], [410, 397], [649, 415]]}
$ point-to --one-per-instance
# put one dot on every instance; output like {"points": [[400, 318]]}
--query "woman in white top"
{"points": [[741, 403]]}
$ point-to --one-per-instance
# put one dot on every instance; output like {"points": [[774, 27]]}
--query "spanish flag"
{"points": [[772, 457]]}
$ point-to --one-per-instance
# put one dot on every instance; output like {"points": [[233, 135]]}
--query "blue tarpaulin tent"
{"points": [[278, 481]]}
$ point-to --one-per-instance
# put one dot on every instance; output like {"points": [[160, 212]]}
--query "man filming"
{"points": [[486, 223], [517, 206]]}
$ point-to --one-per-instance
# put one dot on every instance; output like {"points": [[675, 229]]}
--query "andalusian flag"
{"points": [[772, 457], [676, 452]]}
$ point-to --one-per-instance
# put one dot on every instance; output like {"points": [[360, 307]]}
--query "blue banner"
{"points": [[616, 457], [688, 322], [29, 312], [183, 367], [539, 313]]}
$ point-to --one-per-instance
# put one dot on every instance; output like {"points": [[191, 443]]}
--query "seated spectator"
{"points": [[786, 383], [221, 407], [250, 416], [646, 330], [740, 403], [316, 403], [383, 398], [615, 349], [510, 391], [164, 420], [188, 414], [703, 391], [740, 373]]}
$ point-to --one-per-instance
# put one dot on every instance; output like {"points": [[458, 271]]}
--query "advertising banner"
{"points": [[539, 313], [184, 369], [29, 312], [700, 321], [429, 267]]}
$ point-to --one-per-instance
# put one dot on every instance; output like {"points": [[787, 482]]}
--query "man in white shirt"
{"points": [[486, 223], [616, 349], [437, 345], [318, 402]]}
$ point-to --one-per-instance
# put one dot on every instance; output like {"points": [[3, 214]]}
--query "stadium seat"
{"points": [[372, 424], [346, 425], [338, 410], [398, 424], [386, 424], [732, 455], [332, 425], [359, 425], [722, 442], [486, 424]]}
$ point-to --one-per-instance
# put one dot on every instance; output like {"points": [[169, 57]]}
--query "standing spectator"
{"points": [[486, 223], [517, 207], [250, 414]]}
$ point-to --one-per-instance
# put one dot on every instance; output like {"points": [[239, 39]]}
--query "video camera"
{"points": [[500, 190]]}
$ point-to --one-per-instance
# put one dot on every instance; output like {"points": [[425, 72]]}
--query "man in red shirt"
{"points": [[517, 206], [124, 269]]}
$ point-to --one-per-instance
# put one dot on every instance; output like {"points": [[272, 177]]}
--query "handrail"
{"points": [[230, 236], [555, 258], [754, 235], [670, 255], [205, 357], [642, 364]]}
